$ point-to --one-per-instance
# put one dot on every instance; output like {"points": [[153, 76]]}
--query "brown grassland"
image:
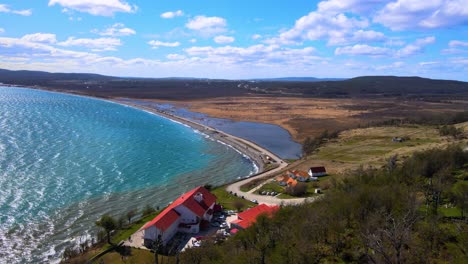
{"points": [[304, 117]]}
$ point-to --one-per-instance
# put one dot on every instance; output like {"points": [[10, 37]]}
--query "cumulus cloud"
{"points": [[223, 39], [96, 7], [175, 57], [368, 36], [458, 43], [5, 9], [156, 44], [362, 49], [336, 28], [40, 37], [116, 30], [415, 48], [171, 14], [413, 14], [355, 6], [207, 25], [2, 30], [98, 44], [256, 54], [256, 36]]}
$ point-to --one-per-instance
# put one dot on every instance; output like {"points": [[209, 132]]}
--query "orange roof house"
{"points": [[249, 216], [184, 215]]}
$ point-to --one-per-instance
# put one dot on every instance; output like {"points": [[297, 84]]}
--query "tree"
{"points": [[460, 195], [108, 223], [147, 210], [238, 204], [130, 215], [299, 189]]}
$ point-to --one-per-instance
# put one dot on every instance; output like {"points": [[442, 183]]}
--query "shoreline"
{"points": [[257, 154]]}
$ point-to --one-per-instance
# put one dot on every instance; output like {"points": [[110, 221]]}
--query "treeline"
{"points": [[311, 144], [389, 215]]}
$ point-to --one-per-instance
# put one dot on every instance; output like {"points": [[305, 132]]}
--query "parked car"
{"points": [[254, 201]]}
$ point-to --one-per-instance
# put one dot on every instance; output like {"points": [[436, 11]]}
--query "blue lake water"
{"points": [[66, 160], [272, 137]]}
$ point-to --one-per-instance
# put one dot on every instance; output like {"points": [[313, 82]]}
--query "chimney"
{"points": [[198, 197]]}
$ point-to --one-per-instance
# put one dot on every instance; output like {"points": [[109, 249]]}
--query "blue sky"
{"points": [[237, 39]]}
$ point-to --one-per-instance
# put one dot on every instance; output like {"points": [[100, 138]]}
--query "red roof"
{"points": [[318, 169], [188, 200], [164, 220], [248, 217]]}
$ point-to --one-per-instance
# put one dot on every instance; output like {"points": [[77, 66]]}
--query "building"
{"points": [[282, 180], [185, 214], [317, 171], [302, 176], [249, 216]]}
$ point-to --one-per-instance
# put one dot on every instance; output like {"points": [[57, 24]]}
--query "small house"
{"points": [[302, 176], [282, 180], [317, 171]]}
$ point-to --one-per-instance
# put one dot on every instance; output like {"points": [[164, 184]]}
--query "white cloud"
{"points": [[175, 57], [5, 9], [207, 25], [156, 43], [193, 40], [96, 7], [355, 6], [40, 37], [361, 49], [413, 14], [99, 44], [256, 54], [256, 36], [315, 25], [458, 43], [415, 48], [116, 30], [368, 36], [223, 39], [2, 30], [171, 14]]}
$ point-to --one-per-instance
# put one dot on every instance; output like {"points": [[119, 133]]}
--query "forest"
{"points": [[409, 211]]}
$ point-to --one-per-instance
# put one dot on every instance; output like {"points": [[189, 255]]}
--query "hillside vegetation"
{"points": [[191, 88], [414, 212]]}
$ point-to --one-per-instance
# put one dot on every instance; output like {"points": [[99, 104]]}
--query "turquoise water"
{"points": [[66, 160]]}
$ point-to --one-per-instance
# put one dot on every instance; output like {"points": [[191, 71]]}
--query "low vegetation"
{"points": [[395, 215]]}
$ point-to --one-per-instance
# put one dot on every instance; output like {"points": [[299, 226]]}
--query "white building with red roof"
{"points": [[184, 215]]}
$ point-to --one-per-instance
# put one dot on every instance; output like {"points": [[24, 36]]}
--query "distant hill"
{"points": [[299, 79], [176, 88]]}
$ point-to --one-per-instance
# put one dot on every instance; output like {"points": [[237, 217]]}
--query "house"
{"points": [[282, 180], [249, 216], [317, 171], [302, 176], [291, 182], [185, 215], [291, 174]]}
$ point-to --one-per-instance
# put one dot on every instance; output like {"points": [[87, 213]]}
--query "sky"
{"points": [[237, 39]]}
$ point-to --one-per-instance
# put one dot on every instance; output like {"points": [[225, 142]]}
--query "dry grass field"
{"points": [[304, 117]]}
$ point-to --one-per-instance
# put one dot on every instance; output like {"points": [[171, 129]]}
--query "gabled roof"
{"points": [[164, 220], [318, 169], [282, 178], [301, 174], [291, 182], [248, 217], [187, 199]]}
